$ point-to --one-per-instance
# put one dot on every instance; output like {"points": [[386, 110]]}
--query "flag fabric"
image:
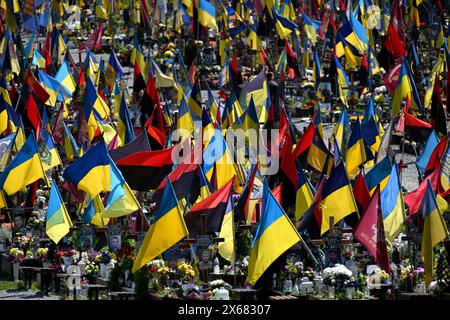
{"points": [[185, 125], [145, 170], [242, 209], [29, 15], [379, 175], [36, 87], [91, 172], [226, 248], [310, 29], [113, 70], [370, 232], [26, 164], [168, 227], [213, 208], [207, 14], [6, 145], [361, 193], [58, 222], [356, 153], [56, 90], [318, 154], [424, 158], [140, 143], [304, 195], [65, 77], [120, 200], [124, 126], [392, 206], [274, 236], [337, 198], [434, 230], [70, 145]]}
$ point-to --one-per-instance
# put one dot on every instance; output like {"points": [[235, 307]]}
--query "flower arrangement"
{"points": [[35, 223], [155, 265], [336, 276], [6, 230], [378, 277], [23, 241], [186, 269], [91, 268], [407, 278], [105, 257], [16, 255], [293, 268], [41, 254]]}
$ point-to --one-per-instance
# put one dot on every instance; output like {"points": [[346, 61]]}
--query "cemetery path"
{"points": [[25, 294]]}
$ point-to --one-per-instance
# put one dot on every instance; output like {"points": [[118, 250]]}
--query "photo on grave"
{"points": [[115, 243], [20, 220]]}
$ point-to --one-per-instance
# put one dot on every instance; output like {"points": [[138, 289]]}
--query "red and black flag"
{"points": [[438, 120], [33, 115], [241, 208], [417, 130], [182, 179], [35, 86], [157, 129], [149, 101], [361, 192], [138, 144], [294, 71], [212, 208], [236, 75], [145, 170]]}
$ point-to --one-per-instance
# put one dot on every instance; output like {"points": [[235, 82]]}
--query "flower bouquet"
{"points": [[16, 255], [336, 276], [41, 254], [293, 269], [91, 269], [407, 278]]}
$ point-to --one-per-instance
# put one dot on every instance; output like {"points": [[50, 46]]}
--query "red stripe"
{"points": [[157, 158]]}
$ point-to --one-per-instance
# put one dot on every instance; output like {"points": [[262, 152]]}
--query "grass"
{"points": [[9, 285]]}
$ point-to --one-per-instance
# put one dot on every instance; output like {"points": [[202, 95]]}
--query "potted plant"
{"points": [[41, 255]]}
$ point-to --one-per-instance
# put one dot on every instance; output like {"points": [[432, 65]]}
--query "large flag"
{"points": [[140, 143], [145, 170], [274, 236], [434, 230], [214, 208], [91, 172], [168, 227], [392, 206], [58, 221], [24, 169], [370, 232]]}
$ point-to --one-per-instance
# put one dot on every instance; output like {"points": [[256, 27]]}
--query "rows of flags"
{"points": [[83, 123]]}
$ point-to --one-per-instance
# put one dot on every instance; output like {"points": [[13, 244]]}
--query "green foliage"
{"points": [[9, 285], [113, 281], [141, 278], [243, 243]]}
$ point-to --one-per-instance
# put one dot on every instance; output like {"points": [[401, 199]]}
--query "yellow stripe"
{"points": [[394, 221], [23, 175], [339, 204], [96, 180], [276, 239]]}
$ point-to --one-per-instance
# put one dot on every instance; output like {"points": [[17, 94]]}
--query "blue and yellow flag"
{"points": [[342, 130], [64, 77], [392, 206], [378, 175], [405, 88], [356, 153], [114, 70], [227, 248], [185, 125], [305, 194], [47, 150], [310, 28], [70, 145], [56, 90], [91, 172], [274, 236], [121, 200], [58, 222], [124, 125], [29, 16], [168, 227], [24, 169], [337, 198], [207, 14], [434, 230]]}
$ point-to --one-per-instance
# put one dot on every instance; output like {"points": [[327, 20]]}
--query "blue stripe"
{"points": [[381, 170], [389, 194], [423, 159], [337, 180], [95, 156], [356, 135], [207, 7], [168, 201], [55, 201], [28, 150], [271, 211]]}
